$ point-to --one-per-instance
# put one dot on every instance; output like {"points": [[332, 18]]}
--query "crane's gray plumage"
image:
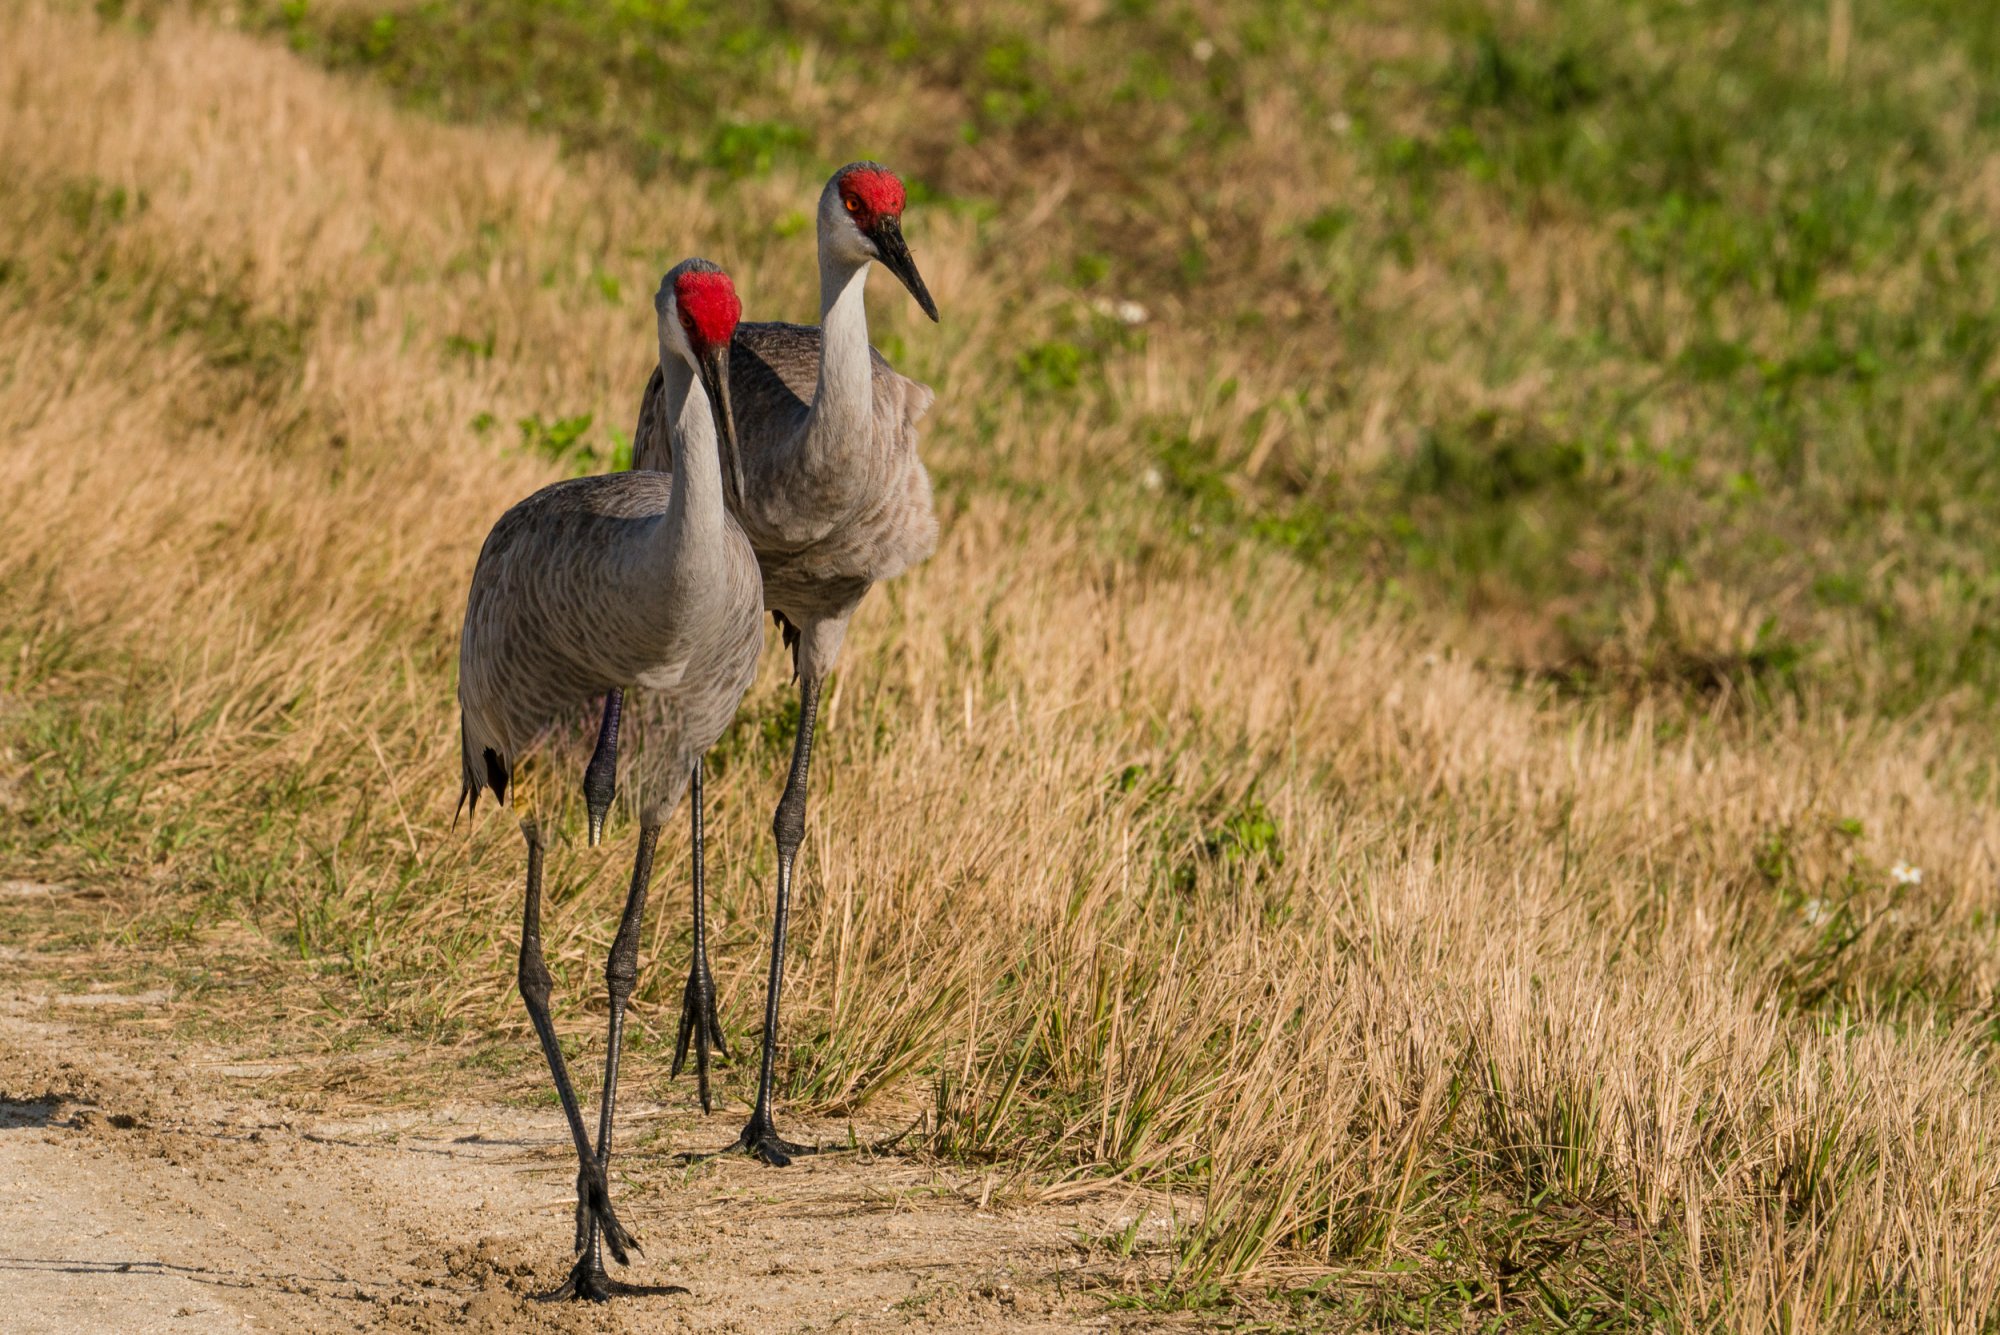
{"points": [[822, 533], [595, 584], [569, 600], [830, 492]]}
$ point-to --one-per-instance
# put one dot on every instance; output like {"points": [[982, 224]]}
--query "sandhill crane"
{"points": [[585, 585], [829, 489]]}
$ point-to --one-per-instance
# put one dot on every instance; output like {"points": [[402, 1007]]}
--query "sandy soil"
{"points": [[148, 1183]]}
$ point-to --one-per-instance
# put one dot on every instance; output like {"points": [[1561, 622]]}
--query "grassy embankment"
{"points": [[1407, 740]]}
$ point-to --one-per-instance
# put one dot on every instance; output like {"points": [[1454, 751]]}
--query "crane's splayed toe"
{"points": [[761, 1141], [772, 1149], [593, 1206], [587, 1283], [595, 1221]]}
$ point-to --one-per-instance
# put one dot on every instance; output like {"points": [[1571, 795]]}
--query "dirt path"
{"points": [[147, 1185]]}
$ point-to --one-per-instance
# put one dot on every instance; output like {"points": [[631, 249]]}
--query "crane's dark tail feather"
{"points": [[498, 774], [791, 637], [468, 781], [497, 777]]}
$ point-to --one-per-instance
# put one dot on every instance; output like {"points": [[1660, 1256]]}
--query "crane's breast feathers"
{"points": [[664, 677]]}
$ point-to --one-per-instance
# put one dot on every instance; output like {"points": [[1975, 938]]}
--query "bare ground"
{"points": [[155, 1182]]}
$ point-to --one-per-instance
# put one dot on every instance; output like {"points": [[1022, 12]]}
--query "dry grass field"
{"points": [[1449, 735]]}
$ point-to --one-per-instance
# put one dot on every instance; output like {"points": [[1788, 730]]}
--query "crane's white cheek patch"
{"points": [[664, 678]]}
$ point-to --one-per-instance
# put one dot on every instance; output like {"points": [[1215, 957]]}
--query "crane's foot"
{"points": [[776, 1151], [587, 1283], [699, 1026], [760, 1140]]}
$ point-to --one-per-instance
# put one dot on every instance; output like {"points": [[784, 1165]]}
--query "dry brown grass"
{"points": [[1138, 865]]}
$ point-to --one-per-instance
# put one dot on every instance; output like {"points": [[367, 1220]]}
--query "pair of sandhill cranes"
{"points": [[658, 578]]}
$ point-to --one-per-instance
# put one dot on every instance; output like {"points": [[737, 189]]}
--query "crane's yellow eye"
{"points": [[853, 204]]}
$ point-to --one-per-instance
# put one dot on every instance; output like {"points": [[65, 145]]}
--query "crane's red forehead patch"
{"points": [[879, 191], [709, 301]]}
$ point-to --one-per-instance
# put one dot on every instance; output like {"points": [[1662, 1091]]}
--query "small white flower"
{"points": [[1340, 122], [1904, 874], [1126, 312], [1204, 50], [1151, 479], [1815, 911]]}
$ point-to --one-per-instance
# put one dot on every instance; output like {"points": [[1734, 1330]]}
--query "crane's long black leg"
{"points": [[698, 1022], [587, 1279], [760, 1137], [600, 777], [593, 1200], [621, 975]]}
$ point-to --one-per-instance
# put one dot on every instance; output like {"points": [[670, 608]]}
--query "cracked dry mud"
{"points": [[150, 1184]]}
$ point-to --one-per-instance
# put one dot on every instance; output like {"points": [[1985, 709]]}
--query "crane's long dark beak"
{"points": [[714, 364], [888, 237]]}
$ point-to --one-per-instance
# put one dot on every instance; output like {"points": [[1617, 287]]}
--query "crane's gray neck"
{"points": [[843, 410], [695, 510]]}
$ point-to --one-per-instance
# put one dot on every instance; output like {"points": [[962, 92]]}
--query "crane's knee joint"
{"points": [[788, 827], [536, 984], [621, 972]]}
